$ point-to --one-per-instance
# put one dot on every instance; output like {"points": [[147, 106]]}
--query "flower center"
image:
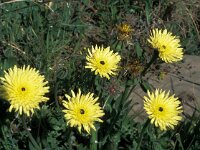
{"points": [[23, 89], [82, 111], [164, 46], [160, 109], [102, 62]]}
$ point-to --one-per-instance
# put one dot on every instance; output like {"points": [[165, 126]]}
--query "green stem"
{"points": [[179, 140], [153, 58], [93, 140], [35, 144], [126, 94], [55, 90], [142, 133]]}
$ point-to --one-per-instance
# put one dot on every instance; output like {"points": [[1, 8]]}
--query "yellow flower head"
{"points": [[163, 110], [103, 61], [168, 45], [125, 28], [24, 88], [82, 111], [124, 31]]}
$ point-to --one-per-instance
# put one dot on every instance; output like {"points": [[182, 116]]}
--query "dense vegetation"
{"points": [[54, 37]]}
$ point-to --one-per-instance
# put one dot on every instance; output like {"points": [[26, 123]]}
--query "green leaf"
{"points": [[9, 62], [139, 50], [147, 11], [145, 85]]}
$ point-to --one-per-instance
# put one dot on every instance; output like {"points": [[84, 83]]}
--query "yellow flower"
{"points": [[24, 88], [163, 110], [125, 28], [82, 111], [124, 31], [103, 61], [168, 45]]}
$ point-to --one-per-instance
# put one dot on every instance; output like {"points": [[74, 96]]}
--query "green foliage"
{"points": [[53, 39]]}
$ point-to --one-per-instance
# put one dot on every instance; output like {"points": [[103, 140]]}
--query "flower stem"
{"points": [[142, 133], [153, 58], [93, 140], [35, 144]]}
